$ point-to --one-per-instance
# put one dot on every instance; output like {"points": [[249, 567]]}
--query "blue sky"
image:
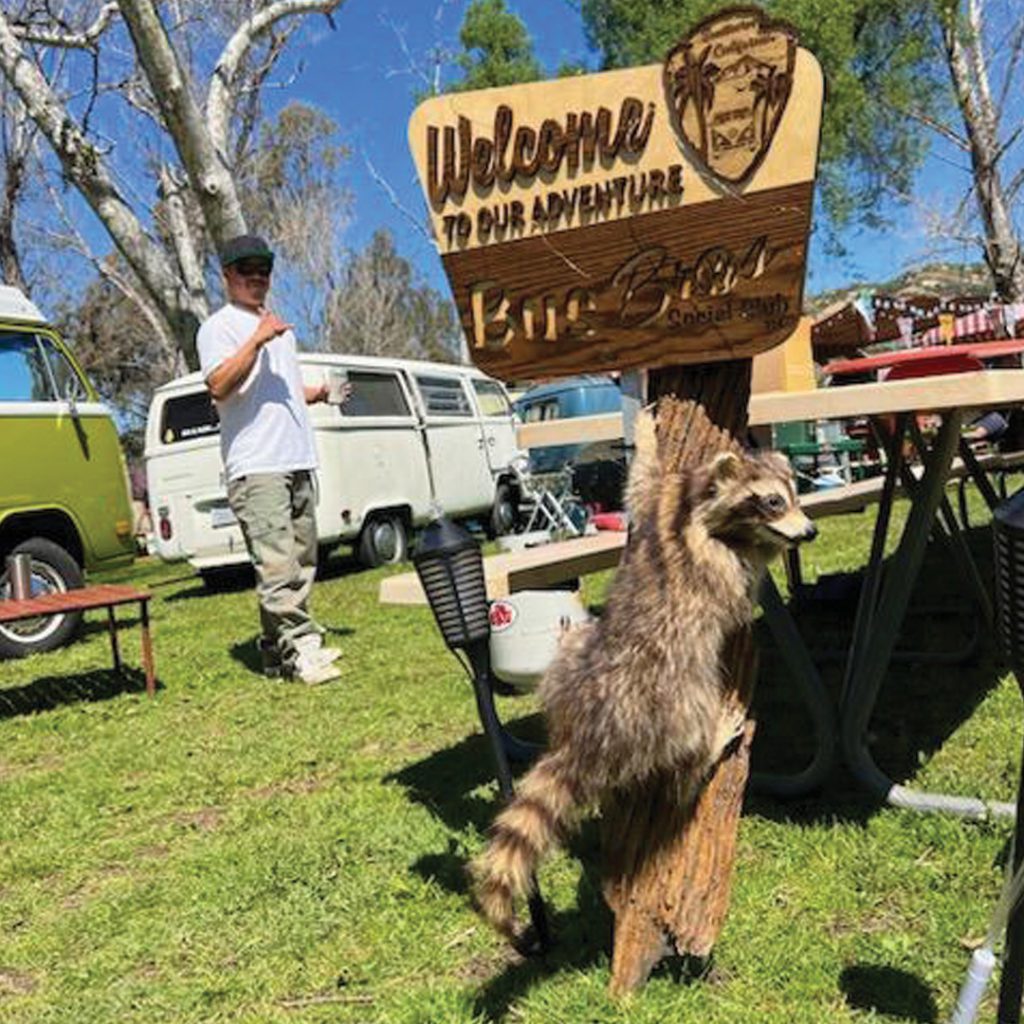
{"points": [[364, 75]]}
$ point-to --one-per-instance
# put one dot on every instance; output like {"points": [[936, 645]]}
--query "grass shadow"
{"points": [[581, 939], [450, 782], [94, 626], [234, 579], [50, 692], [889, 992], [337, 564], [922, 702]]}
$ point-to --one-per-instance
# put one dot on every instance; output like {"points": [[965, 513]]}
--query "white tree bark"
{"points": [[210, 178], [83, 40], [969, 74], [222, 93], [184, 241]]}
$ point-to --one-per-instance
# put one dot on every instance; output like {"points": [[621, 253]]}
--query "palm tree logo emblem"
{"points": [[727, 85]]}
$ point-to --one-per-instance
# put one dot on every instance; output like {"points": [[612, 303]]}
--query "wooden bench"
{"points": [[530, 569], [104, 595]]}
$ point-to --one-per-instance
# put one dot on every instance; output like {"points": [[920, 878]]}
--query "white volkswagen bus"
{"points": [[412, 435]]}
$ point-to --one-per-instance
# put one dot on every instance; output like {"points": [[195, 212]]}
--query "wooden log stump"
{"points": [[667, 871]]}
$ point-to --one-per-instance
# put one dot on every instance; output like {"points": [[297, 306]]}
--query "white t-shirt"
{"points": [[264, 424]]}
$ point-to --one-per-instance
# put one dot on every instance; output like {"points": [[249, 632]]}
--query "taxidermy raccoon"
{"points": [[638, 693]]}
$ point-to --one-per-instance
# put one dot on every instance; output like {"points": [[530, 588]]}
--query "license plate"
{"points": [[222, 517]]}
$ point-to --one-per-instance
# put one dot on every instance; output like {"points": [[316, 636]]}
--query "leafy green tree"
{"points": [[497, 48], [876, 63], [899, 73]]}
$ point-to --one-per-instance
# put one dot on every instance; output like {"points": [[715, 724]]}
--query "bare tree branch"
{"points": [[220, 96], [1015, 49], [415, 221], [84, 40], [107, 270], [938, 127], [84, 166]]}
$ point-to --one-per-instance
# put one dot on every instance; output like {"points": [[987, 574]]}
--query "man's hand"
{"points": [[322, 393], [269, 327]]}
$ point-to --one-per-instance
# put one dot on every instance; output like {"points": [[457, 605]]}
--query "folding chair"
{"points": [[545, 499]]}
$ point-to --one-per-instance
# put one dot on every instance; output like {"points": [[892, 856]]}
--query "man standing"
{"points": [[248, 358]]}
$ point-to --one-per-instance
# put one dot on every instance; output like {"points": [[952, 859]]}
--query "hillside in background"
{"points": [[940, 279]]}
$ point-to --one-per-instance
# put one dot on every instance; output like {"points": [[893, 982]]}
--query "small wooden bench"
{"points": [[530, 569], [104, 595]]}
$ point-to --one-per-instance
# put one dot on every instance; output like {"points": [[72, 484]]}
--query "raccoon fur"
{"points": [[638, 693]]}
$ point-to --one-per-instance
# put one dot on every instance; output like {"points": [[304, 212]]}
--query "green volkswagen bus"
{"points": [[64, 496]]}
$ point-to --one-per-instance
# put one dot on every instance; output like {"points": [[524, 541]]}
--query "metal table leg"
{"points": [[816, 699], [871, 652], [1012, 981]]}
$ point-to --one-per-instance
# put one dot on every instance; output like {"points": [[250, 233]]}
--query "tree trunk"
{"points": [[667, 874], [210, 178], [10, 262], [969, 75]]}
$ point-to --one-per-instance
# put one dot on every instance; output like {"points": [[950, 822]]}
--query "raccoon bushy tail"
{"points": [[645, 473], [544, 808]]}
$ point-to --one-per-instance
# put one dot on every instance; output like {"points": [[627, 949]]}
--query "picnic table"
{"points": [[103, 595], [893, 407]]}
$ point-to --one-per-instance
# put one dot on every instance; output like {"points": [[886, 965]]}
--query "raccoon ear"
{"points": [[777, 461], [725, 466]]}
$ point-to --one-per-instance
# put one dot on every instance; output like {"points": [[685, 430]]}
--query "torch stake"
{"points": [[480, 663]]}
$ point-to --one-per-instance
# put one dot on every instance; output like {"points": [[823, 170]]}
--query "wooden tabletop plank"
{"points": [[100, 595], [975, 390], [952, 391]]}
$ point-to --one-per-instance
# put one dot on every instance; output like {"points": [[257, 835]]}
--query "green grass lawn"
{"points": [[243, 850]]}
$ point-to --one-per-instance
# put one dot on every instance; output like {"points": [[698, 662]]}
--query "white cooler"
{"points": [[526, 628]]}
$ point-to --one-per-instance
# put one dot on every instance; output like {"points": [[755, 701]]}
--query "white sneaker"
{"points": [[311, 648], [312, 671]]}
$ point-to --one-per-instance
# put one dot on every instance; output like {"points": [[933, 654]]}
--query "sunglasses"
{"points": [[253, 268]]}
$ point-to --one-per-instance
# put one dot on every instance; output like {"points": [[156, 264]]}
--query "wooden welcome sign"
{"points": [[645, 217]]}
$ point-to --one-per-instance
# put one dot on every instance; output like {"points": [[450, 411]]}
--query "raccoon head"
{"points": [[749, 503]]}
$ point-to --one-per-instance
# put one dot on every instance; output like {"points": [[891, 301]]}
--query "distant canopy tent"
{"points": [[840, 330]]}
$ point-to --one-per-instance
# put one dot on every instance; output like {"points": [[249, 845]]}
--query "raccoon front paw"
{"points": [[730, 729]]}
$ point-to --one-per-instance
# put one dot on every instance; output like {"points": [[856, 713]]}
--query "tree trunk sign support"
{"points": [[668, 871]]}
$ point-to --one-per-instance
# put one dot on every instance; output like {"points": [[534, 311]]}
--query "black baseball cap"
{"points": [[244, 247]]}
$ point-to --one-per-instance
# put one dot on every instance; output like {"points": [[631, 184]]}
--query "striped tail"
{"points": [[543, 808]]}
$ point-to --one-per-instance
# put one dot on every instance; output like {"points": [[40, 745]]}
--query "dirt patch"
{"points": [[206, 819], [44, 763], [16, 983], [147, 971], [153, 852], [289, 787], [91, 886]]}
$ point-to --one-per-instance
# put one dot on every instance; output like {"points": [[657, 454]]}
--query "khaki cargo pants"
{"points": [[276, 513]]}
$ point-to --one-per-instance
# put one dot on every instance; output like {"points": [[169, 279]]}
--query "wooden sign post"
{"points": [[654, 217]]}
